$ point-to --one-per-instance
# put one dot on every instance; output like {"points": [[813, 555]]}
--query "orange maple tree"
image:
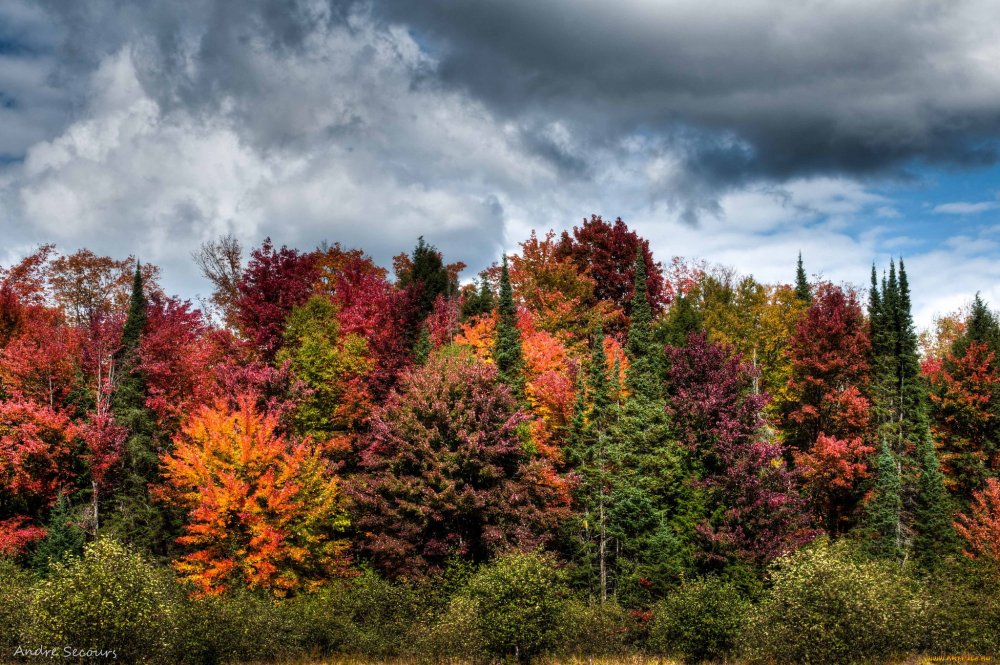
{"points": [[262, 511]]}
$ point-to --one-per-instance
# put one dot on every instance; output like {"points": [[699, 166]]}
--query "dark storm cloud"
{"points": [[745, 91], [838, 87]]}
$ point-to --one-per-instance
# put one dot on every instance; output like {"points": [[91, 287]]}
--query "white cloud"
{"points": [[966, 208]]}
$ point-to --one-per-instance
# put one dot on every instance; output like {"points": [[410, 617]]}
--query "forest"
{"points": [[583, 452]]}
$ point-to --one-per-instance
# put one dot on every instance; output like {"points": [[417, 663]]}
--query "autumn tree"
{"points": [[560, 296], [980, 527], [965, 403], [85, 285], [826, 422], [755, 320], [177, 356], [38, 452], [275, 282], [606, 252], [445, 472], [752, 511], [262, 511], [374, 309]]}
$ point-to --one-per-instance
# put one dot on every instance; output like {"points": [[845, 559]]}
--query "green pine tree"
{"points": [[882, 514], [479, 302], [507, 351], [64, 538], [802, 289], [935, 537], [429, 277], [643, 375], [135, 516]]}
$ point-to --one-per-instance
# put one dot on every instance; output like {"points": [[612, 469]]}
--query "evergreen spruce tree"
{"points": [[136, 518], [480, 302], [913, 401], [982, 328], [650, 478], [882, 512], [594, 457], [802, 290], [935, 536], [643, 372], [507, 351], [63, 536], [427, 276]]}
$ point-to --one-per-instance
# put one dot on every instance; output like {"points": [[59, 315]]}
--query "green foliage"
{"points": [[935, 539], [802, 290], [699, 621], [507, 351], [15, 594], [426, 276], [828, 606], [479, 301], [325, 360], [589, 629], [960, 615], [63, 538], [681, 320], [239, 627], [110, 599], [455, 633], [518, 602], [882, 514]]}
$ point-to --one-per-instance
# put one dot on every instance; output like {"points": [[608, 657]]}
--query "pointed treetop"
{"points": [[802, 290], [507, 351]]}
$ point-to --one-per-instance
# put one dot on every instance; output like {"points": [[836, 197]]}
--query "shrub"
{"points": [[518, 603], [111, 599], [960, 616], [699, 621], [238, 626], [453, 634], [380, 614], [593, 629], [15, 590], [826, 606]]}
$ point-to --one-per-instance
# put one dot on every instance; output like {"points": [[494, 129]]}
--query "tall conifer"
{"points": [[507, 351]]}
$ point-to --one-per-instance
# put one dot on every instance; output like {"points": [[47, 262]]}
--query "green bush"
{"points": [[452, 634], [239, 626], [380, 613], [960, 616], [15, 591], [699, 621], [518, 603], [588, 628], [827, 606], [111, 599]]}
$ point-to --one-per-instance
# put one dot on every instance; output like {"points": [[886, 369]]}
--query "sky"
{"points": [[739, 133]]}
